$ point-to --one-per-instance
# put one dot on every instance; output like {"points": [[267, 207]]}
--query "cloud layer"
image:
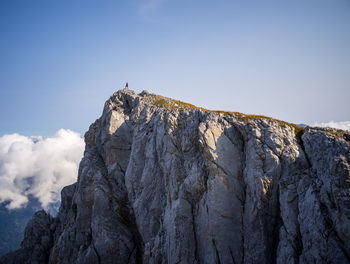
{"points": [[41, 167], [345, 125], [38, 167]]}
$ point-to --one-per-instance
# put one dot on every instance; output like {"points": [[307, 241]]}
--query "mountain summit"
{"points": [[163, 181]]}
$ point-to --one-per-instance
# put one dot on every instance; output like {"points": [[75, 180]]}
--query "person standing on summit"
{"points": [[126, 85]]}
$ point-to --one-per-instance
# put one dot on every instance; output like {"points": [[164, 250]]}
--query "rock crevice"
{"points": [[162, 181]]}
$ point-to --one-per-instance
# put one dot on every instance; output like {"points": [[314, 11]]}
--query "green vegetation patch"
{"points": [[340, 134], [171, 104], [298, 130]]}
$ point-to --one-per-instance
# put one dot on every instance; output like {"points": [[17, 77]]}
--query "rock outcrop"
{"points": [[162, 181]]}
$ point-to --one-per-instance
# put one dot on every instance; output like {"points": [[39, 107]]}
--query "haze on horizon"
{"points": [[59, 61]]}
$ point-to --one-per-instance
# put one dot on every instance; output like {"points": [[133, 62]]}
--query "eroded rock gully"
{"points": [[164, 183]]}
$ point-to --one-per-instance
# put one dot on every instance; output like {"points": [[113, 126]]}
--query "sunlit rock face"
{"points": [[162, 181]]}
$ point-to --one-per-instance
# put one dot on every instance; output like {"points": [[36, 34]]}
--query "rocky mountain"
{"points": [[13, 223], [163, 181]]}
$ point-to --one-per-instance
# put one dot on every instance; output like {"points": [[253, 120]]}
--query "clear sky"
{"points": [[60, 60]]}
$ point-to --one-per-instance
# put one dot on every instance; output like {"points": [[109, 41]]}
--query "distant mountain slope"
{"points": [[163, 181], [12, 225]]}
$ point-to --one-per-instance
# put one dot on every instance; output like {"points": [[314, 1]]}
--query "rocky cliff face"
{"points": [[164, 182]]}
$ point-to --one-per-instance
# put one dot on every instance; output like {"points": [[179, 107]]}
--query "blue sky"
{"points": [[60, 60]]}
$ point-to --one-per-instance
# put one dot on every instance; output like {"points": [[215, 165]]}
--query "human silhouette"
{"points": [[126, 85]]}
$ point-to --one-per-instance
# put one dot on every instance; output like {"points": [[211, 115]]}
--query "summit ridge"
{"points": [[163, 181]]}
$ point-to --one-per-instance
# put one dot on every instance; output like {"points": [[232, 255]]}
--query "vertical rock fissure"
{"points": [[130, 222], [257, 193], [96, 252], [244, 187], [137, 238], [300, 142], [216, 252], [196, 255], [244, 195], [276, 229], [233, 259], [299, 239], [130, 254]]}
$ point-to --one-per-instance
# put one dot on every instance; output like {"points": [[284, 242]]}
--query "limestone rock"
{"points": [[163, 181], [37, 242]]}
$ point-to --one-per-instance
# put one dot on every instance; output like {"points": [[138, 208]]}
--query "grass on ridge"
{"points": [[171, 104], [338, 133]]}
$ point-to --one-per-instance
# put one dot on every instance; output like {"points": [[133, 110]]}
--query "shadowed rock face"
{"points": [[162, 184]]}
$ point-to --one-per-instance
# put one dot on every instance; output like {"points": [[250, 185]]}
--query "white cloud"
{"points": [[345, 125], [38, 167]]}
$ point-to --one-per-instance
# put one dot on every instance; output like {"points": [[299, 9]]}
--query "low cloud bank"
{"points": [[38, 167], [345, 125]]}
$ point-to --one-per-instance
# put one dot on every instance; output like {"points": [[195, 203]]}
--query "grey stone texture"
{"points": [[164, 182]]}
